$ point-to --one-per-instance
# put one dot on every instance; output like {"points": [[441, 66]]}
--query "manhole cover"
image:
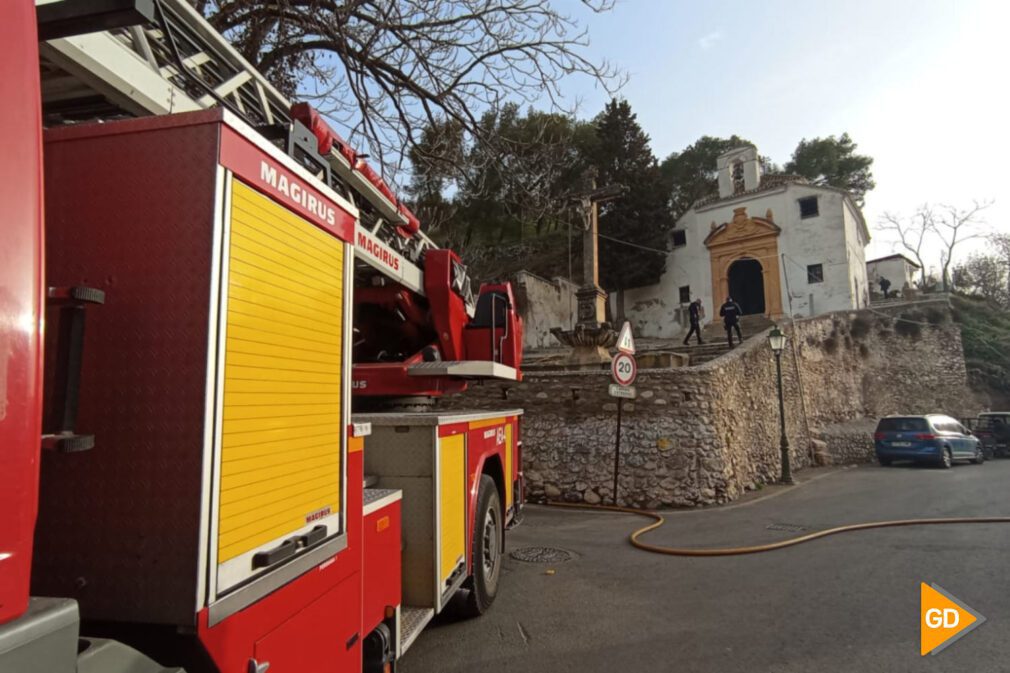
{"points": [[787, 527], [541, 555]]}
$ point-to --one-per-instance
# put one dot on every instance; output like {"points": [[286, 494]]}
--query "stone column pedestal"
{"points": [[592, 335], [592, 305]]}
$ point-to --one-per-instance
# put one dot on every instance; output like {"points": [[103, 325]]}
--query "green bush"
{"points": [[985, 336]]}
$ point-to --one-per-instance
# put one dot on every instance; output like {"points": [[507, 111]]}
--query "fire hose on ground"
{"points": [[659, 520]]}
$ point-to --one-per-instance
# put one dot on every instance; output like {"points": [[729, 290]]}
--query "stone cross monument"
{"points": [[592, 335]]}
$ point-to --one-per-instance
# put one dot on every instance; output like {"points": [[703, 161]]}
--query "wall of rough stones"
{"points": [[900, 359], [705, 434], [847, 443]]}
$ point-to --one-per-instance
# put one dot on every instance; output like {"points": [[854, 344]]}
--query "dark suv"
{"points": [[993, 430], [931, 438]]}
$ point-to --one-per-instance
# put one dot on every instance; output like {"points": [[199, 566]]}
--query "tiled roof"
{"points": [[897, 255]]}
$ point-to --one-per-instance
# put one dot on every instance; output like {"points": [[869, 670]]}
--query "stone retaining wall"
{"points": [[849, 443], [705, 434]]}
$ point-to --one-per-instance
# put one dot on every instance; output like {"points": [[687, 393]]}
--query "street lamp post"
{"points": [[777, 340]]}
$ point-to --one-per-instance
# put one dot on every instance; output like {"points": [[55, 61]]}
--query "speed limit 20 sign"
{"points": [[624, 369]]}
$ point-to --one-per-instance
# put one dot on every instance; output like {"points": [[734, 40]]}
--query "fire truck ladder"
{"points": [[178, 62]]}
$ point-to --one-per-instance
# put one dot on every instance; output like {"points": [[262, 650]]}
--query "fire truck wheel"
{"points": [[487, 549]]}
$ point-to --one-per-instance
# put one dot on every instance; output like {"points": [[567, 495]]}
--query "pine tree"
{"points": [[691, 172], [621, 154], [833, 161]]}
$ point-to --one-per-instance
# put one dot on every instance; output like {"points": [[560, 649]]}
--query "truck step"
{"points": [[412, 622]]}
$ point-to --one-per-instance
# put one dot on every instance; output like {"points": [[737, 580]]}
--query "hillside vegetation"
{"points": [[546, 256], [985, 334]]}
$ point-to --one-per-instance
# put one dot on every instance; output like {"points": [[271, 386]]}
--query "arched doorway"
{"points": [[734, 248], [747, 286]]}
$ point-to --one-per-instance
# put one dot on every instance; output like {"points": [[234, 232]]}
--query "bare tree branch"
{"points": [[912, 233], [385, 70], [952, 226]]}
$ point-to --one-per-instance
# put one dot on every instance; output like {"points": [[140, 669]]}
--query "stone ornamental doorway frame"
{"points": [[749, 272], [742, 238]]}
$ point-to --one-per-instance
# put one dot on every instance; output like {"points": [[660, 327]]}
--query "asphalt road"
{"points": [[844, 603]]}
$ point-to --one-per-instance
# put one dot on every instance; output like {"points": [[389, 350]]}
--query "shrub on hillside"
{"points": [[985, 336]]}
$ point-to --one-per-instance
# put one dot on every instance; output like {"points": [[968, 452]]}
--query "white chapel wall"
{"points": [[810, 241], [856, 240]]}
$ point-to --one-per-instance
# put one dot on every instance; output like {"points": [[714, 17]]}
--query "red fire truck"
{"points": [[220, 338]]}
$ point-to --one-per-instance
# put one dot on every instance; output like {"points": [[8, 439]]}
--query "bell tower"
{"points": [[739, 171]]}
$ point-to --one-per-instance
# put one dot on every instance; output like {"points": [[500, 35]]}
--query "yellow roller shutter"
{"points": [[283, 346], [451, 504]]}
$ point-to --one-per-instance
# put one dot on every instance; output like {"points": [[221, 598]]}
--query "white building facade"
{"points": [[899, 270], [777, 244]]}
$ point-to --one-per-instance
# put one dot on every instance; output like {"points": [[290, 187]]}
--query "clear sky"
{"points": [[920, 86]]}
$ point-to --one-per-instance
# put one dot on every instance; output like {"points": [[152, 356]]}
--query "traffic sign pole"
{"points": [[624, 370], [617, 447]]}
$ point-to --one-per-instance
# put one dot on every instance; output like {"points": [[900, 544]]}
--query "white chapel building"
{"points": [[777, 244]]}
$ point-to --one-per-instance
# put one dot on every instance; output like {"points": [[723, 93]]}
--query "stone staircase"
{"points": [[714, 338]]}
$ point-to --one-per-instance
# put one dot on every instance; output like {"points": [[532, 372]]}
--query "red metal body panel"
{"points": [[478, 451], [517, 458], [448, 312], [381, 570], [517, 440], [506, 346], [451, 429], [478, 346], [234, 641], [511, 346], [322, 637], [131, 214], [20, 301]]}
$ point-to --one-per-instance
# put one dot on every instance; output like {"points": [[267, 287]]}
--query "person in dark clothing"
{"points": [[885, 285], [695, 312], [731, 312]]}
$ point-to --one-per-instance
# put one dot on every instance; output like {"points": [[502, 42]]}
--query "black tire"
{"points": [[488, 540], [884, 462], [979, 455], [947, 461]]}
